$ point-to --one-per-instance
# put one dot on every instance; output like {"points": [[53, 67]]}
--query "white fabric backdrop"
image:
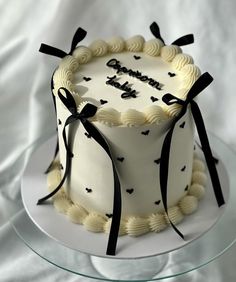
{"points": [[26, 110]]}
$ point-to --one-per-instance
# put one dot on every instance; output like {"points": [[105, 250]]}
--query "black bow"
{"points": [[203, 81], [184, 40], [50, 50], [88, 111]]}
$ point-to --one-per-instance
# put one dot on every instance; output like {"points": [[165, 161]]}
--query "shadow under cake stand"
{"points": [[137, 259]]}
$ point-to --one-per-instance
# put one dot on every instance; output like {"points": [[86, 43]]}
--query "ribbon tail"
{"points": [[116, 215], [164, 168], [67, 169], [68, 164], [53, 51], [156, 31], [79, 36], [184, 40], [207, 153]]}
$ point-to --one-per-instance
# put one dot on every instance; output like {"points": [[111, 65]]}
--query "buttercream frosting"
{"points": [[77, 214], [132, 118], [137, 226], [116, 44], [99, 48], [83, 54], [168, 53], [69, 62], [157, 222], [135, 43], [155, 114], [94, 223], [180, 60], [153, 47], [188, 204], [108, 116]]}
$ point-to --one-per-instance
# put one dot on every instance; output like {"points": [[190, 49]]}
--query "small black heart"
{"points": [[59, 121], [61, 166], [130, 191], [183, 168], [157, 161], [137, 57], [87, 78], [171, 74], [109, 215], [186, 188], [157, 202], [182, 125], [120, 159], [87, 134], [146, 132], [154, 99], [216, 160], [88, 190], [103, 101]]}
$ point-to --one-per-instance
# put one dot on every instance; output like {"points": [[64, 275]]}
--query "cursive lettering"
{"points": [[129, 92], [115, 64]]}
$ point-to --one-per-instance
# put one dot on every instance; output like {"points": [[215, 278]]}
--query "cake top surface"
{"points": [[126, 79]]}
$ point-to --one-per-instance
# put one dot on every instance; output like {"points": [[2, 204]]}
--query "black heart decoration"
{"points": [[59, 121], [154, 99], [186, 188], [171, 74], [87, 134], [157, 161], [121, 159], [137, 57], [61, 166], [86, 78], [157, 202], [183, 168], [182, 125], [146, 132], [130, 191], [103, 101], [88, 190]]}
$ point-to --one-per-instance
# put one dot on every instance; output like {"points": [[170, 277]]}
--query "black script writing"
{"points": [[129, 92], [115, 64]]}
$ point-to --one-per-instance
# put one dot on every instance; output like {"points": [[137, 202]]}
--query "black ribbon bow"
{"points": [[50, 50], [88, 111], [184, 40], [203, 81]]}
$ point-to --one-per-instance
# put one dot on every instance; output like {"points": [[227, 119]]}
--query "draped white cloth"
{"points": [[26, 109]]}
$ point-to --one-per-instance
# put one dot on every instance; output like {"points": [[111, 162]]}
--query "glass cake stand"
{"points": [[192, 256]]}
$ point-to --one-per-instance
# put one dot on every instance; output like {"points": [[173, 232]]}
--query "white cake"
{"points": [[126, 80]]}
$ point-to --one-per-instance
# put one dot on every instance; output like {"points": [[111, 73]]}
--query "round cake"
{"points": [[128, 83]]}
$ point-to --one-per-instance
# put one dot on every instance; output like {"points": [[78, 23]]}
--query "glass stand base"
{"points": [[117, 269]]}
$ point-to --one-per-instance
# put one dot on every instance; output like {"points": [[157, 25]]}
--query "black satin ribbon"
{"points": [[184, 40], [88, 111], [53, 51], [203, 81]]}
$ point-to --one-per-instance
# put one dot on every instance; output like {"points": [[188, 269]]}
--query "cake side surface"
{"points": [[136, 152]]}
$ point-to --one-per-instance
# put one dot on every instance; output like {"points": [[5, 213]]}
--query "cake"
{"points": [[127, 161]]}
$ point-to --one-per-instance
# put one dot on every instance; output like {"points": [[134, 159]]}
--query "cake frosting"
{"points": [[128, 82]]}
